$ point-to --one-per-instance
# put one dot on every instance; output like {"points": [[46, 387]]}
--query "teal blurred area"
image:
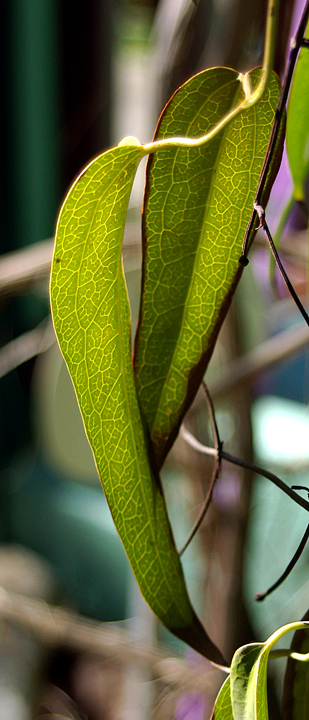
{"points": [[71, 526], [276, 524]]}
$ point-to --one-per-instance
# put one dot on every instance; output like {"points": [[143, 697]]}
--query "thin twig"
{"points": [[263, 224], [249, 466], [212, 416], [267, 474], [296, 43], [289, 568], [206, 503], [215, 471], [279, 231]]}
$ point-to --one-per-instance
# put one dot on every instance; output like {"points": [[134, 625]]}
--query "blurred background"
{"points": [[76, 78]]}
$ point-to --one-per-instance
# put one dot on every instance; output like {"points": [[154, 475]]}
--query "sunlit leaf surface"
{"points": [[92, 321], [297, 130], [249, 678], [295, 704], [198, 202], [248, 682], [223, 705]]}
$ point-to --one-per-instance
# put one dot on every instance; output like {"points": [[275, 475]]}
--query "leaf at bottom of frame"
{"points": [[223, 705], [295, 701]]}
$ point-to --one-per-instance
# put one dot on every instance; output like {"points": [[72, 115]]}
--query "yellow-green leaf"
{"points": [[198, 202], [295, 702], [223, 705], [92, 320], [297, 129], [249, 676], [248, 682]]}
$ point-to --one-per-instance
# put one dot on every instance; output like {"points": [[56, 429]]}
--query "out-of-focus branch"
{"points": [[191, 440], [246, 368], [58, 627], [26, 346], [21, 268]]}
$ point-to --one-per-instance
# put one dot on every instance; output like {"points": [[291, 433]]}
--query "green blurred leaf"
{"points": [[295, 704], [223, 705], [297, 130], [92, 321], [198, 202]]}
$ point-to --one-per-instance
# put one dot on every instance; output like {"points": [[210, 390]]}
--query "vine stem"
{"points": [[191, 440], [288, 569], [251, 96], [296, 44], [277, 236], [216, 468], [263, 224]]}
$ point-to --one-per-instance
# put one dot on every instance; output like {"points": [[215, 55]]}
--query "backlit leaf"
{"points": [[223, 705], [297, 130], [249, 677], [198, 202], [92, 321], [295, 704], [248, 682]]}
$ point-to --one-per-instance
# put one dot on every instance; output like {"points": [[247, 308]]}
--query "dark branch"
{"points": [[207, 501], [212, 415], [267, 474], [295, 46], [261, 213], [215, 472], [292, 563]]}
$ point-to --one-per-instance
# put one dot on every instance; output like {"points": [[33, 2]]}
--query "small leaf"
{"points": [[198, 202], [92, 321], [223, 705], [249, 676], [295, 703], [248, 682], [297, 130]]}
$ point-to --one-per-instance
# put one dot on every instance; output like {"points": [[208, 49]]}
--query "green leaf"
{"points": [[297, 130], [248, 682], [295, 704], [92, 321], [249, 676], [198, 202], [223, 705]]}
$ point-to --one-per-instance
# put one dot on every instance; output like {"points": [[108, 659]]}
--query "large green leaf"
{"points": [[249, 676], [297, 130], [198, 202], [92, 321], [295, 704], [223, 705]]}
